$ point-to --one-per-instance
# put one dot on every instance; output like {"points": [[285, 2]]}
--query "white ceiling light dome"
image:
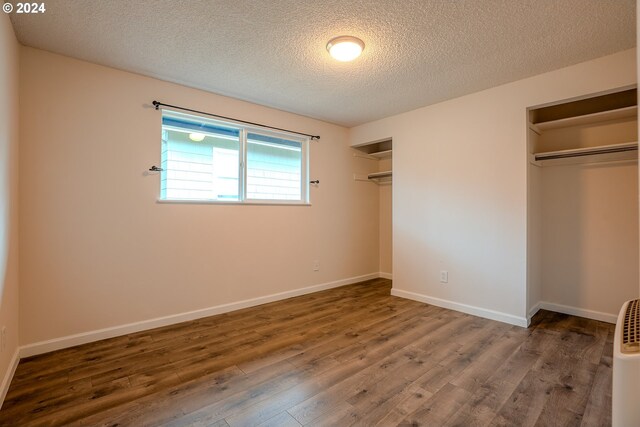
{"points": [[345, 48], [196, 136]]}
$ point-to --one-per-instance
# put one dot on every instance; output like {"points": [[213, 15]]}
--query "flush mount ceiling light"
{"points": [[195, 136], [345, 48]]}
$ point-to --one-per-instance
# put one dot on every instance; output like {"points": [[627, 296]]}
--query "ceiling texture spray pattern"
{"points": [[417, 52]]}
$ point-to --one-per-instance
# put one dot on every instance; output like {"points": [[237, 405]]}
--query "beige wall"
{"points": [[9, 61], [97, 249], [385, 230], [460, 187], [590, 235]]}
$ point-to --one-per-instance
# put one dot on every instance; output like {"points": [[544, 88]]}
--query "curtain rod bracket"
{"points": [[158, 104]]}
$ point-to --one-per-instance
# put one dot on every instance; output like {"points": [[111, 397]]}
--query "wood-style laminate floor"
{"points": [[348, 356]]}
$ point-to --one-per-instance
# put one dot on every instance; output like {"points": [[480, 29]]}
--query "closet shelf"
{"points": [[603, 116], [375, 150], [376, 176], [382, 154], [588, 151], [378, 155]]}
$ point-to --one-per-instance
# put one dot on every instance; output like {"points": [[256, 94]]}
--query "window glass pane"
{"points": [[199, 159], [274, 168]]}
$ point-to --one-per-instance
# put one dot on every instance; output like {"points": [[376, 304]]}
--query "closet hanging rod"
{"points": [[590, 151], [159, 104], [378, 175]]}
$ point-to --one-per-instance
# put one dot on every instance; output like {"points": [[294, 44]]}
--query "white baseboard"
{"points": [[536, 308], [386, 275], [469, 309], [581, 312], [8, 376], [100, 334]]}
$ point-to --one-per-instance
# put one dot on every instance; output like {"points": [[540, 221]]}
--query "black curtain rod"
{"points": [[157, 104]]}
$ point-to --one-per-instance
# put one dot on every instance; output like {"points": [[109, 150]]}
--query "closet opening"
{"points": [[374, 165], [582, 205]]}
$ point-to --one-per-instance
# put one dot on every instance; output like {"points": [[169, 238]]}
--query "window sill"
{"points": [[235, 203]]}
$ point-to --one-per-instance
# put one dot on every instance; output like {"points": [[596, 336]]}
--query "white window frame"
{"points": [[244, 130]]}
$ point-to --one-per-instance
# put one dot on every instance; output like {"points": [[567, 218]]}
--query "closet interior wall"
{"points": [[386, 211], [583, 215], [534, 228]]}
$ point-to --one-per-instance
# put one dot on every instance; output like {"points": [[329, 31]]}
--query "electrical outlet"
{"points": [[316, 265], [444, 276]]}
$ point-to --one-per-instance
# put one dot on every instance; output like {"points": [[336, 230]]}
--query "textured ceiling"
{"points": [[418, 52]]}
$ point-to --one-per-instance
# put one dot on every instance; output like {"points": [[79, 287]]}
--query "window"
{"points": [[211, 160]]}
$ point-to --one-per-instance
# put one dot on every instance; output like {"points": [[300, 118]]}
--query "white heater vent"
{"points": [[631, 329], [626, 367]]}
